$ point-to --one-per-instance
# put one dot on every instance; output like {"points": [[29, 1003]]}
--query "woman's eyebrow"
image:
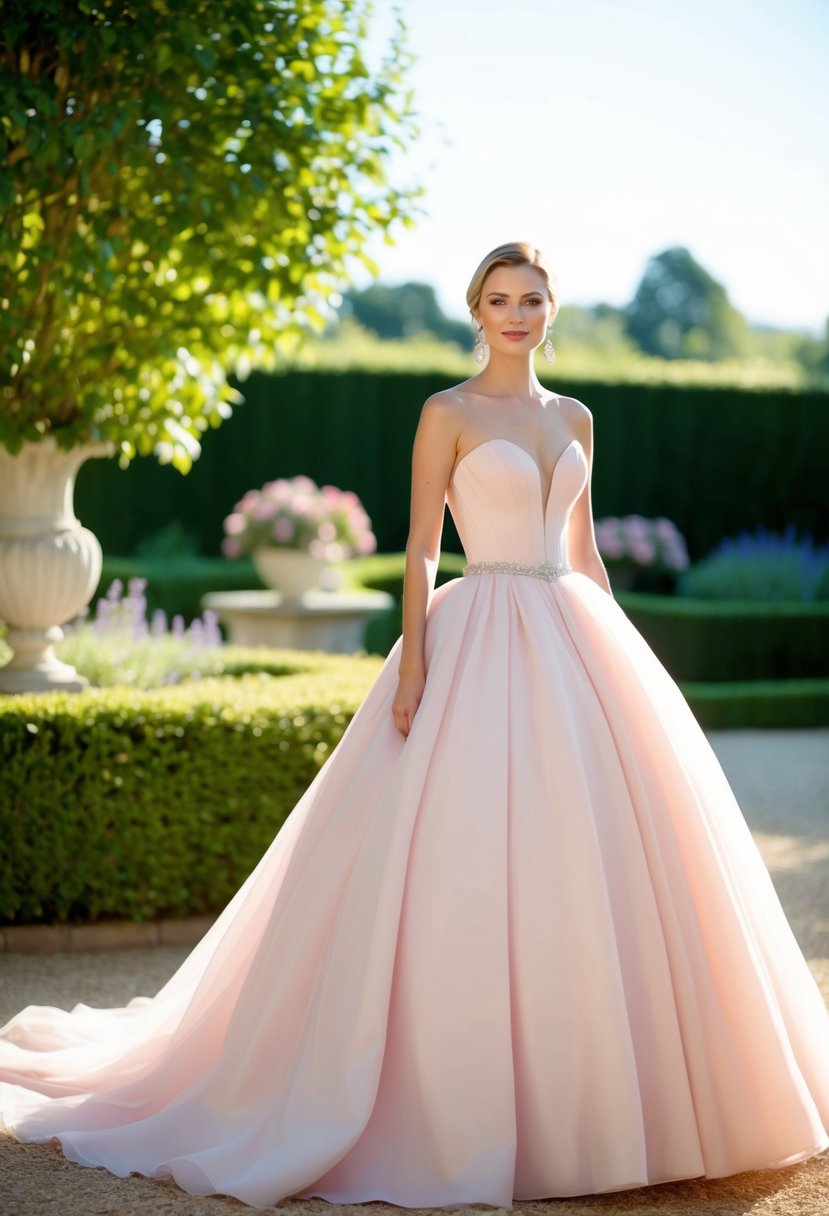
{"points": [[503, 295]]}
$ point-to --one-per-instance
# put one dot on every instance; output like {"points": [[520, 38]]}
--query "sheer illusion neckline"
{"points": [[545, 498]]}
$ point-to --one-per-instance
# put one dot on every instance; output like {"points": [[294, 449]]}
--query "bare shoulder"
{"points": [[447, 400], [443, 411], [575, 411], [578, 418]]}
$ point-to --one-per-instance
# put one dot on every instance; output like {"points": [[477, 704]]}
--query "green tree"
{"points": [[813, 354], [681, 312], [405, 311], [183, 186], [598, 328]]}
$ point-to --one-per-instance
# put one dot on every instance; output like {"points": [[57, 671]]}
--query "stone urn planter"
{"points": [[49, 564], [291, 572]]}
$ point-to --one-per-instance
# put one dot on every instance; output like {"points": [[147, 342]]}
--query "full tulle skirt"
{"points": [[530, 951]]}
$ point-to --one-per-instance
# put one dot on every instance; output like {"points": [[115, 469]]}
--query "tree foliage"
{"points": [[681, 312], [405, 311], [183, 187]]}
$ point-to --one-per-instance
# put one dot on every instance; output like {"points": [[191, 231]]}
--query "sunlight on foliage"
{"points": [[350, 347], [183, 192]]}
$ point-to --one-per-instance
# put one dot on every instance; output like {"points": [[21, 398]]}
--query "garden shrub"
{"points": [[122, 803], [117, 803], [760, 704], [719, 641], [762, 566]]}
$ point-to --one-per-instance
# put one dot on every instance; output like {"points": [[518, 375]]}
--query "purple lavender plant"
{"points": [[122, 646], [158, 625], [761, 565]]}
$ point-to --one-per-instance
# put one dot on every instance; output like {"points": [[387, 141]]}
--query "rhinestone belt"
{"points": [[547, 570]]}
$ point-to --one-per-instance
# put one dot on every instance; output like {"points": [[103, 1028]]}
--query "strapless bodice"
{"points": [[497, 502]]}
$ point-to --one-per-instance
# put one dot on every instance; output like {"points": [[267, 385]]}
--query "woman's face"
{"points": [[514, 309]]}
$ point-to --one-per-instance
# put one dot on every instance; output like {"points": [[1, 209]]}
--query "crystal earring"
{"points": [[549, 351], [480, 349]]}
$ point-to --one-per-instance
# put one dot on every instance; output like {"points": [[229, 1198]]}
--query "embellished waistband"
{"points": [[547, 570]]}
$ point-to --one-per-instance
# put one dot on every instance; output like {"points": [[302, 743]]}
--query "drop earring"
{"points": [[549, 351], [480, 349]]}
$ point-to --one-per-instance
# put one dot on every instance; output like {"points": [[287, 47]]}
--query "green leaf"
{"points": [[136, 249]]}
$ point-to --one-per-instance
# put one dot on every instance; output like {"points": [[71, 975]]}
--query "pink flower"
{"points": [[297, 513], [263, 511], [299, 503], [283, 530], [235, 524], [665, 530], [676, 556], [231, 546], [642, 550], [315, 509], [635, 527], [611, 545]]}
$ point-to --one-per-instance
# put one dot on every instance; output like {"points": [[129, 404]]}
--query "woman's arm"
{"points": [[581, 537], [433, 458]]}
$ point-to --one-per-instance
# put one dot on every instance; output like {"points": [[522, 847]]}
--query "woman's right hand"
{"points": [[406, 700]]}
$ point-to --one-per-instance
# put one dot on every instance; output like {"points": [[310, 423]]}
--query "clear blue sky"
{"points": [[606, 131]]}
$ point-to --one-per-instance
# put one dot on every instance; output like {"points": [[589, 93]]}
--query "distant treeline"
{"points": [[679, 311]]}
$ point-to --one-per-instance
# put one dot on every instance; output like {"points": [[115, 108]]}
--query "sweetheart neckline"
{"points": [[530, 457]]}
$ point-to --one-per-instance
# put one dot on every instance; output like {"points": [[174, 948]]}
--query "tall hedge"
{"points": [[714, 460]]}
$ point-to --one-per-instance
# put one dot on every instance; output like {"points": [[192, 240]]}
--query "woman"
{"points": [[515, 941]]}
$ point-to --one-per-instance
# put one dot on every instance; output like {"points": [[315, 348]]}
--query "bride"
{"points": [[515, 941]]}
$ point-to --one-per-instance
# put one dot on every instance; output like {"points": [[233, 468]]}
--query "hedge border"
{"points": [[183, 788]]}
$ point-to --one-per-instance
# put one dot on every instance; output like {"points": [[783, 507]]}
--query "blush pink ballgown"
{"points": [[531, 951]]}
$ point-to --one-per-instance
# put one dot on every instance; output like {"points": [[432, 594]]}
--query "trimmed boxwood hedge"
{"points": [[117, 803], [760, 704], [123, 804], [727, 640]]}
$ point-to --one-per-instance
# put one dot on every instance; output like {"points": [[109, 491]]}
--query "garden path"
{"points": [[782, 781]]}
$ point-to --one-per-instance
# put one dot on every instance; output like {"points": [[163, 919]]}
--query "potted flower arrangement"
{"points": [[641, 552], [294, 529]]}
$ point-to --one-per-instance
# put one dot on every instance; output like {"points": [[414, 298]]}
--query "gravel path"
{"points": [[781, 779]]}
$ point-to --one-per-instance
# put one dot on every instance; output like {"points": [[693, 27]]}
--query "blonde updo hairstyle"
{"points": [[517, 253]]}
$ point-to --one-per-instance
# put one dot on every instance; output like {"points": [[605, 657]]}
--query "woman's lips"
{"points": [[514, 335]]}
